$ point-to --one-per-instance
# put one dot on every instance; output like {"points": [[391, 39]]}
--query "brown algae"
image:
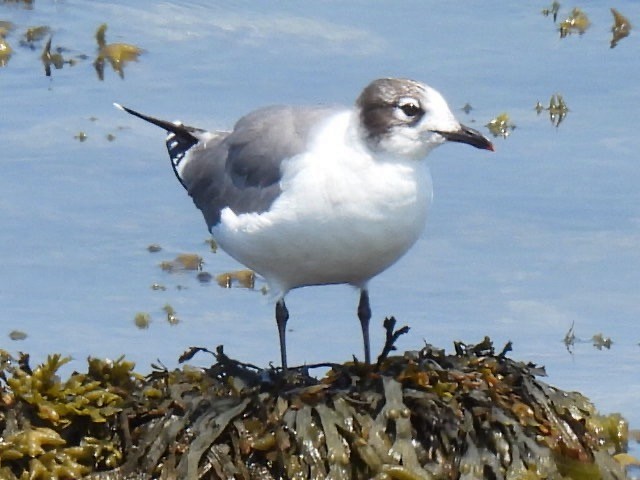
{"points": [[427, 414]]}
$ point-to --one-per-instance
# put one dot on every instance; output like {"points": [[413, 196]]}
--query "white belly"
{"points": [[342, 217]]}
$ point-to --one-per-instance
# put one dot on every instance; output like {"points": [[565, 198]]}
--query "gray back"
{"points": [[241, 169]]}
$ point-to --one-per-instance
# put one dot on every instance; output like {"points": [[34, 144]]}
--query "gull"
{"points": [[317, 195]]}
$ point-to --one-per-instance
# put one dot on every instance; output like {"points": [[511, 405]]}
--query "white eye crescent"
{"points": [[410, 107]]}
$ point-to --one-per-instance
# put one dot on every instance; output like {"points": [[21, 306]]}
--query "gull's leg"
{"points": [[364, 314], [282, 315]]}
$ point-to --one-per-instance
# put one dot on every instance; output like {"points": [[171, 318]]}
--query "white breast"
{"points": [[343, 215]]}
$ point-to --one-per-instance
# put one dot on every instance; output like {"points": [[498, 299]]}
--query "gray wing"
{"points": [[241, 169]]}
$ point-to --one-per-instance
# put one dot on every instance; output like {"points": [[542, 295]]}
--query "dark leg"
{"points": [[282, 315], [364, 314]]}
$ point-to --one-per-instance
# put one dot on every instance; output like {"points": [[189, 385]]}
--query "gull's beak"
{"points": [[467, 135]]}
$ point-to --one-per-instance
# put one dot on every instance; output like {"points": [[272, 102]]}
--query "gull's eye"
{"points": [[410, 107]]}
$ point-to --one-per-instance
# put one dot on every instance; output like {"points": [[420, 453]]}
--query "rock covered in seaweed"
{"points": [[473, 413]]}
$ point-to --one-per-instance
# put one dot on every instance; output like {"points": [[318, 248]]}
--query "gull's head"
{"points": [[406, 119]]}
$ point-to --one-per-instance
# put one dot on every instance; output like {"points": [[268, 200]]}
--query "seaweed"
{"points": [[426, 414]]}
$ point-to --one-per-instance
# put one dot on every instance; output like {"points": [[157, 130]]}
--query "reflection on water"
{"points": [[520, 246]]}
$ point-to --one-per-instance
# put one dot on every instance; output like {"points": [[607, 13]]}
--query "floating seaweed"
{"points": [[621, 27], [6, 27], [16, 335], [244, 278], [48, 59], [81, 136], [184, 261], [471, 414], [54, 59], [600, 341], [142, 320], [501, 126], [557, 109], [204, 277], [569, 339], [576, 22], [552, 10], [466, 108], [172, 318], [117, 54], [212, 244], [5, 49], [153, 248], [33, 35]]}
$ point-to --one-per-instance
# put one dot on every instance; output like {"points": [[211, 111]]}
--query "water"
{"points": [[520, 245]]}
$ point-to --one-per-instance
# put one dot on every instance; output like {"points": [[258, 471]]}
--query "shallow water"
{"points": [[520, 245]]}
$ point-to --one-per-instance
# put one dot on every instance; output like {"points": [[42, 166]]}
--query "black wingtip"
{"points": [[168, 126], [180, 140]]}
